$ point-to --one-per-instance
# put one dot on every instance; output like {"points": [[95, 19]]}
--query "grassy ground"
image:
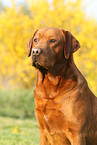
{"points": [[17, 103], [18, 131]]}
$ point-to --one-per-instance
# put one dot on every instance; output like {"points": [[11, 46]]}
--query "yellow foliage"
{"points": [[16, 28]]}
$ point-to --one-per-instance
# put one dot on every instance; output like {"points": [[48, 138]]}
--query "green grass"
{"points": [[27, 133], [17, 103]]}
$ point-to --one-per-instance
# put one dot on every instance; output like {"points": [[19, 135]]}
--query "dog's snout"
{"points": [[36, 51]]}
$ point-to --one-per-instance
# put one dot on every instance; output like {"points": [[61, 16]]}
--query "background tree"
{"points": [[17, 24]]}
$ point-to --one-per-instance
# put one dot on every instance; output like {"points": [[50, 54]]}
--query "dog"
{"points": [[65, 107]]}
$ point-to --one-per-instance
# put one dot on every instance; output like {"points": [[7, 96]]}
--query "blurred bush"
{"points": [[17, 103], [17, 24]]}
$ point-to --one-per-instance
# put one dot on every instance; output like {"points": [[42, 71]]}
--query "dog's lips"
{"points": [[39, 66], [37, 63]]}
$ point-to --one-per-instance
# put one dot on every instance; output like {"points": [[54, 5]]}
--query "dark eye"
{"points": [[35, 40], [52, 41]]}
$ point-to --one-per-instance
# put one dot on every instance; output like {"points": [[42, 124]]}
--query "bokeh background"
{"points": [[18, 21]]}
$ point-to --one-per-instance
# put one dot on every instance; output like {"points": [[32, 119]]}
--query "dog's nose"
{"points": [[36, 51]]}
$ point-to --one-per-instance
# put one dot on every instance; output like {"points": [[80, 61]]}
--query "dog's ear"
{"points": [[71, 44], [30, 43]]}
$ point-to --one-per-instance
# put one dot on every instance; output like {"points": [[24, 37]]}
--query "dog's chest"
{"points": [[51, 120], [49, 114]]}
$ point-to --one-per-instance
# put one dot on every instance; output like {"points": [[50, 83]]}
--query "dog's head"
{"points": [[50, 46]]}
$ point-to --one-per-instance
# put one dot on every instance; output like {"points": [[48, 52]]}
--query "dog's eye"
{"points": [[35, 40], [52, 41]]}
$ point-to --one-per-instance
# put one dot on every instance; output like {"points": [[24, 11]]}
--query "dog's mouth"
{"points": [[43, 64], [39, 66], [36, 64]]}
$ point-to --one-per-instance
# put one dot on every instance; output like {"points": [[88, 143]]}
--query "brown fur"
{"points": [[65, 108]]}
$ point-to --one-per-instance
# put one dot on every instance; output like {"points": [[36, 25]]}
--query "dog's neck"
{"points": [[59, 71], [63, 80]]}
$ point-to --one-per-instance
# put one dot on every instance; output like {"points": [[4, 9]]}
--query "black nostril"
{"points": [[33, 52], [37, 51]]}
